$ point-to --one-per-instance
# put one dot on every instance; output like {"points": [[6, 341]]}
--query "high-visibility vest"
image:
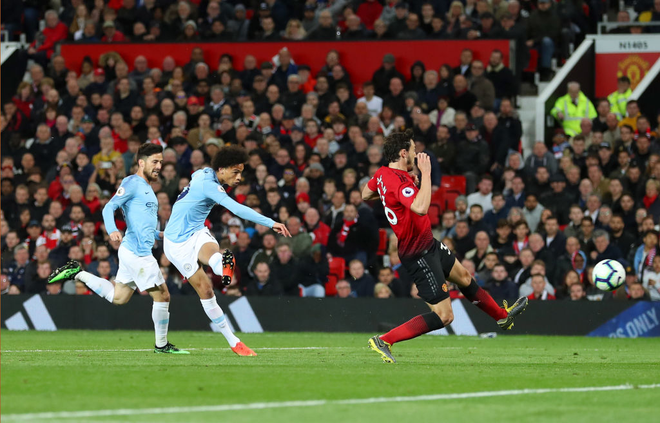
{"points": [[618, 102], [573, 114]]}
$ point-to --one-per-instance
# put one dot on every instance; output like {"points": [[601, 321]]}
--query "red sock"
{"points": [[414, 327], [483, 300]]}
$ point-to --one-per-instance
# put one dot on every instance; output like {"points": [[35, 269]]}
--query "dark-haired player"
{"points": [[188, 242], [137, 266], [428, 261]]}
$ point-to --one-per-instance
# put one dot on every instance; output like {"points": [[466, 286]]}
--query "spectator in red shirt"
{"points": [[43, 46], [369, 12], [319, 230], [111, 33], [538, 285]]}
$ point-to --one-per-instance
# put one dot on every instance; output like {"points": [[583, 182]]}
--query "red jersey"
{"points": [[397, 191]]}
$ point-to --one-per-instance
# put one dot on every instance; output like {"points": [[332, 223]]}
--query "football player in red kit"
{"points": [[428, 261]]}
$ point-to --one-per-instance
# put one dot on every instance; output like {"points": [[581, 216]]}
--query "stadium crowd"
{"points": [[534, 226]]}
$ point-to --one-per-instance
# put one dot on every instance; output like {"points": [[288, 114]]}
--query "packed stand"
{"points": [[533, 226], [546, 26]]}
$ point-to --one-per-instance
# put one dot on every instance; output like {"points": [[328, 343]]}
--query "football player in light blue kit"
{"points": [[137, 265], [187, 242]]}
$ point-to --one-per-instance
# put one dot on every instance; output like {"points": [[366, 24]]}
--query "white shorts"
{"points": [[135, 271], [185, 255]]}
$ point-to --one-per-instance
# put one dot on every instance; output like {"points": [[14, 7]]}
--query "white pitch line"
{"points": [[311, 403], [151, 349]]}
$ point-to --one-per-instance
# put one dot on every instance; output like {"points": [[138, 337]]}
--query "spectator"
{"points": [[382, 76], [462, 99], [571, 108], [263, 285], [284, 270], [498, 211], [474, 156], [619, 98], [484, 195], [265, 254], [532, 211], [502, 78], [539, 292], [43, 47], [313, 273], [16, 270], [362, 284], [344, 289], [500, 285], [481, 86], [351, 237]]}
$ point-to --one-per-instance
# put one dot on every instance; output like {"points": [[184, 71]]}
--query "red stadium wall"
{"points": [[361, 58]]}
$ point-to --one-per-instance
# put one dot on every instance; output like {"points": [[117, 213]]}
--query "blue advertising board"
{"points": [[640, 320]]}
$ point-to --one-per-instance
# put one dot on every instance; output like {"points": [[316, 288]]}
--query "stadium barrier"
{"points": [[360, 58], [583, 318]]}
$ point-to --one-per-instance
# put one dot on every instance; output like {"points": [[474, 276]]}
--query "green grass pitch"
{"points": [[72, 371]]}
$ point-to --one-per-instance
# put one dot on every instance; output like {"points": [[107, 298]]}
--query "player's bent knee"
{"points": [[447, 318]]}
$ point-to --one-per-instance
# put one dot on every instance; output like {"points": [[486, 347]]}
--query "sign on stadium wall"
{"points": [[624, 55], [360, 58], [291, 314]]}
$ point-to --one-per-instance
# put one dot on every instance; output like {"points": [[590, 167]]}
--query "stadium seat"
{"points": [[337, 267], [382, 242], [331, 286], [449, 200], [454, 183], [434, 214]]}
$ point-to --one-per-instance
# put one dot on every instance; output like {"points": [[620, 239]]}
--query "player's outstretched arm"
{"points": [[423, 199]]}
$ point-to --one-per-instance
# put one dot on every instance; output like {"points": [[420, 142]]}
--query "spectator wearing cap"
{"points": [[59, 255], [99, 83], [382, 76], [619, 99], [238, 23], [33, 233], [111, 34], [474, 157]]}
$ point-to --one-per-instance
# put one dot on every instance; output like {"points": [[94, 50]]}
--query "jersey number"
{"points": [[391, 217], [183, 193]]}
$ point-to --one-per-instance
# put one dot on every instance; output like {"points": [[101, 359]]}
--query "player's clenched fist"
{"points": [[423, 163], [115, 237]]}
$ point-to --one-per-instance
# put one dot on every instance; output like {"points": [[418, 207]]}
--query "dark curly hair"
{"points": [[147, 149], [229, 156], [394, 143]]}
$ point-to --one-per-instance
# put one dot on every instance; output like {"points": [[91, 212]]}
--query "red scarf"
{"points": [[341, 237], [649, 200], [50, 240], [515, 245]]}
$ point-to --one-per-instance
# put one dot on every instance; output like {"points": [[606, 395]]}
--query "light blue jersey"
{"points": [[139, 204], [195, 202]]}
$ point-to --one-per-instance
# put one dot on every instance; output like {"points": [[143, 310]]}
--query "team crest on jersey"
{"points": [[408, 192], [187, 267], [121, 191], [444, 287], [220, 188]]}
